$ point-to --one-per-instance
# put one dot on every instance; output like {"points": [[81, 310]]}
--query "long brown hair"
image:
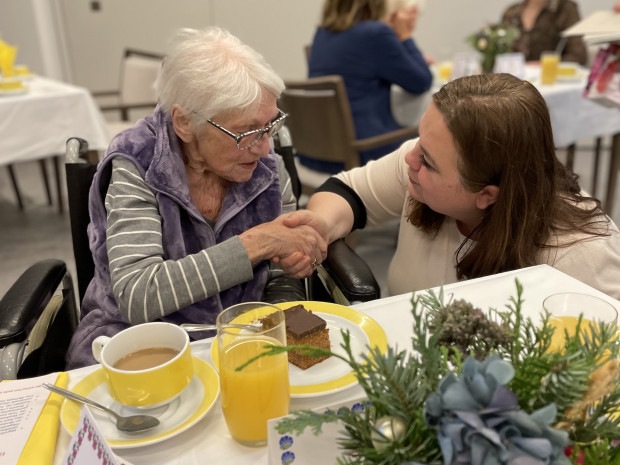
{"points": [[502, 131], [340, 15]]}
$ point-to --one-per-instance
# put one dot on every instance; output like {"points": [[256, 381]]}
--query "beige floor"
{"points": [[41, 232]]}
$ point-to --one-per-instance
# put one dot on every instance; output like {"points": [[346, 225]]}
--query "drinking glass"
{"points": [[565, 308], [445, 71], [549, 62], [261, 390]]}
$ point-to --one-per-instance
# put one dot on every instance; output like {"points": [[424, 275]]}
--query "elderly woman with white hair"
{"points": [[185, 205]]}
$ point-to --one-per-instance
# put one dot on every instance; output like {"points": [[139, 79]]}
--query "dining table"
{"points": [[208, 440], [573, 116], [38, 119]]}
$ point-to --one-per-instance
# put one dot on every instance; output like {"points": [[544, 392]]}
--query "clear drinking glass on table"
{"points": [[261, 390], [549, 62], [565, 309]]}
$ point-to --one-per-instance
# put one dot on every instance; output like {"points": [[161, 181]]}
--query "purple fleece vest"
{"points": [[153, 147]]}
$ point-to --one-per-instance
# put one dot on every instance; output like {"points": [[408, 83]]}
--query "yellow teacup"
{"points": [[146, 365], [22, 70]]}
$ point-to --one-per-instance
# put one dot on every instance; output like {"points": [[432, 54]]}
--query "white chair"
{"points": [[135, 92]]}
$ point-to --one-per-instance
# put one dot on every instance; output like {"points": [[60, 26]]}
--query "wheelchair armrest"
{"points": [[27, 298], [350, 273]]}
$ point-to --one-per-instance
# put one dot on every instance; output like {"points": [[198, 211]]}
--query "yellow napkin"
{"points": [[7, 59], [40, 447]]}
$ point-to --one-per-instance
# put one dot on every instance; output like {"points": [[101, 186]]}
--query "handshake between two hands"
{"points": [[302, 240]]}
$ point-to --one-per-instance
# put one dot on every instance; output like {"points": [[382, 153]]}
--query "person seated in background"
{"points": [[185, 205], [540, 23], [616, 7], [481, 191], [371, 48]]}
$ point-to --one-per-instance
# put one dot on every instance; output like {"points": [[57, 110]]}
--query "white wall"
{"points": [[278, 29], [18, 27], [445, 24]]}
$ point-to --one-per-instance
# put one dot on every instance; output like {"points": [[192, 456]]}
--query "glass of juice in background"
{"points": [[549, 62], [261, 390], [565, 309]]}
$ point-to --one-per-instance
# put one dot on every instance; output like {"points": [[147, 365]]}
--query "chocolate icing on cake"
{"points": [[301, 322]]}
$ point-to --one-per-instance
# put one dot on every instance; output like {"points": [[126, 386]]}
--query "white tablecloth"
{"points": [[37, 124], [209, 442], [573, 117]]}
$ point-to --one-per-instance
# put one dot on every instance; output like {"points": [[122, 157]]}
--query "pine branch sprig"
{"points": [[580, 379]]}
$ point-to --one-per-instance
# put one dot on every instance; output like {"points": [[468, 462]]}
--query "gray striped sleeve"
{"points": [[146, 286]]}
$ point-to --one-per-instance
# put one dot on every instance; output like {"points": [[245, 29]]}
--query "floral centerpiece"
{"points": [[479, 388], [493, 40]]}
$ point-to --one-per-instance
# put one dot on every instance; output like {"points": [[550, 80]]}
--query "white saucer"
{"points": [[192, 405]]}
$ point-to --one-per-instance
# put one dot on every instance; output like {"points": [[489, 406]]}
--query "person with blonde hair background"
{"points": [[371, 47]]}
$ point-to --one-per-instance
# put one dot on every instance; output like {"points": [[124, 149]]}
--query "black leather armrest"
{"points": [[350, 273], [27, 298], [284, 289]]}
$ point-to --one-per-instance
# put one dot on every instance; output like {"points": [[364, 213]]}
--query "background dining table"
{"points": [[37, 122], [573, 117], [208, 441]]}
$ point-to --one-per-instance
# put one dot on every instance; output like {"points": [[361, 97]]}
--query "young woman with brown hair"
{"points": [[480, 192]]}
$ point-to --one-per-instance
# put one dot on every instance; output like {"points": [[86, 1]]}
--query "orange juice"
{"points": [[445, 71], [562, 323], [568, 323], [549, 62], [255, 394]]}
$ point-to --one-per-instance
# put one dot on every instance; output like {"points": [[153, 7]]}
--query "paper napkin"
{"points": [[308, 448], [39, 449], [88, 446]]}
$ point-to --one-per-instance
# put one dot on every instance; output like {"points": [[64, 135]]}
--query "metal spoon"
{"points": [[131, 424], [189, 327]]}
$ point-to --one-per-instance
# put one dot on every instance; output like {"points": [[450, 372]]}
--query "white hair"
{"points": [[211, 72], [394, 5]]}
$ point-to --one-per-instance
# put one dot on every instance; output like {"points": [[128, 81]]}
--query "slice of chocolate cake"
{"points": [[305, 328]]}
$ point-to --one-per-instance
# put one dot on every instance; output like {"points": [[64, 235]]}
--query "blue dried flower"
{"points": [[478, 420]]}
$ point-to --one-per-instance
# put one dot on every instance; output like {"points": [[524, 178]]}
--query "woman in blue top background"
{"points": [[371, 48]]}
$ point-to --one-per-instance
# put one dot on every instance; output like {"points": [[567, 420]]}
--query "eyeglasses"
{"points": [[246, 140]]}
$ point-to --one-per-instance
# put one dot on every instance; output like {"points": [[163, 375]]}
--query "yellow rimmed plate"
{"points": [[331, 375], [182, 413], [17, 91]]}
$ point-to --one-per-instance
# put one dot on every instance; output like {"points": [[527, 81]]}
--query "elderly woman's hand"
{"points": [[274, 240], [296, 264]]}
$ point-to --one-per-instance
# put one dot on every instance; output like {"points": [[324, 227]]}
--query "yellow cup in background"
{"points": [[147, 387], [549, 62], [568, 70], [22, 70]]}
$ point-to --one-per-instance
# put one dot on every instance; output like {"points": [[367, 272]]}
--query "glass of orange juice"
{"points": [[565, 309], [261, 390], [549, 62]]}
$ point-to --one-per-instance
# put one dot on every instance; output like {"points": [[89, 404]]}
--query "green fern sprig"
{"points": [[398, 383]]}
